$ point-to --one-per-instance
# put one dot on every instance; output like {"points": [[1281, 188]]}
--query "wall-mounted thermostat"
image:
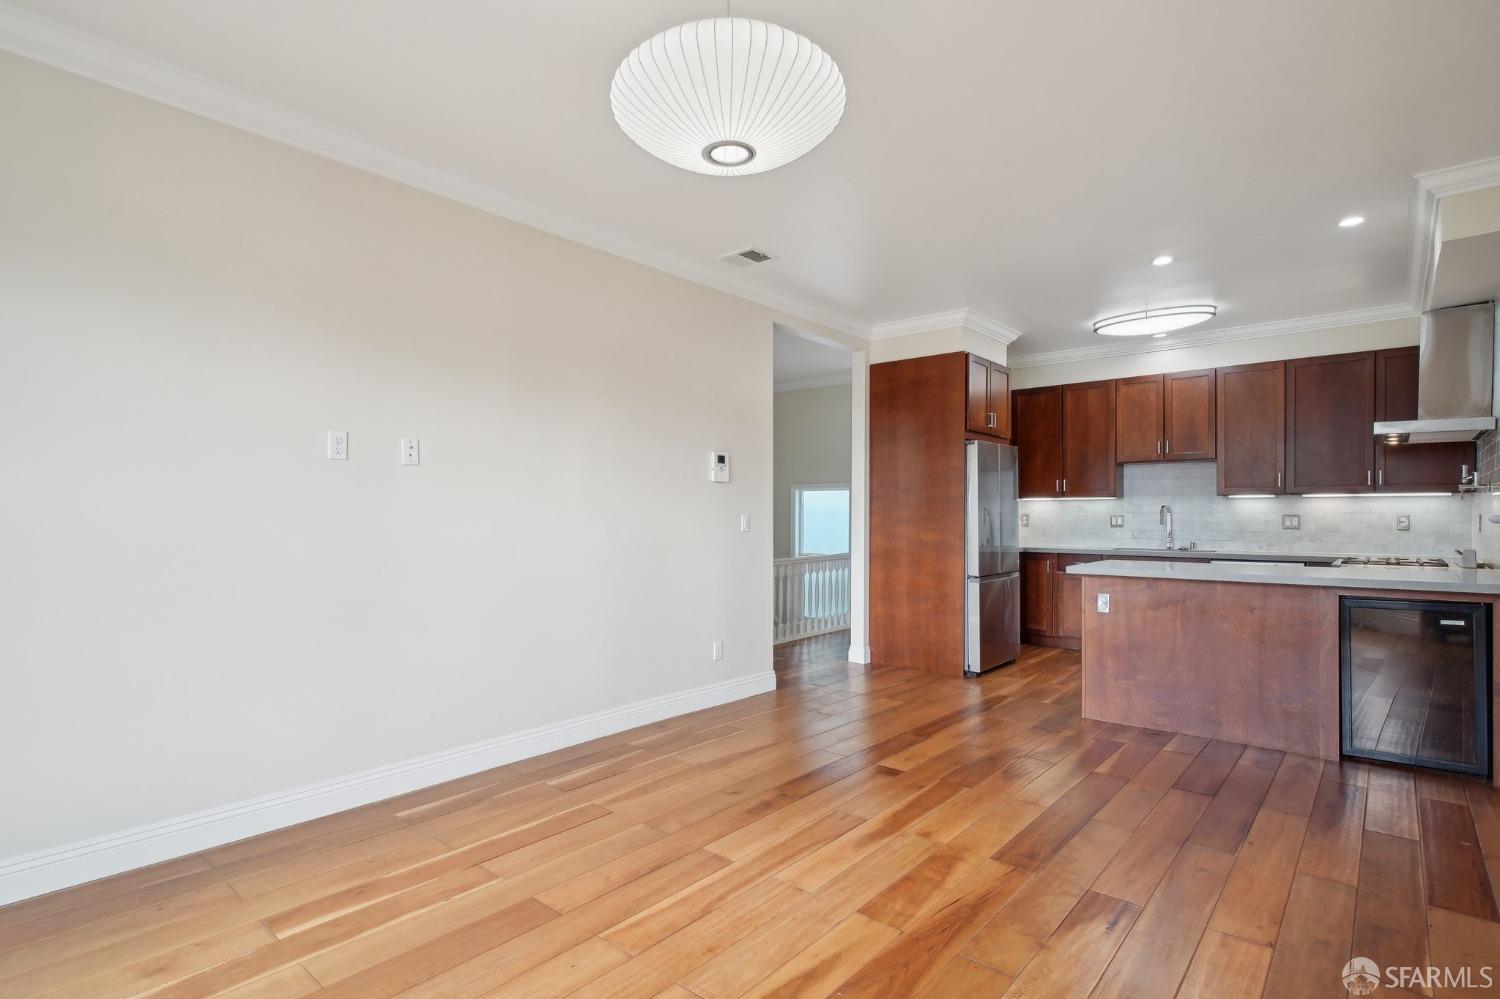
{"points": [[718, 466]]}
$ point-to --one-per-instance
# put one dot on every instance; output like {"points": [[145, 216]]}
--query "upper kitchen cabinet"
{"points": [[987, 407], [1037, 433], [1088, 440], [1138, 418], [1250, 404], [1189, 411], [1406, 467], [1165, 417], [1330, 418]]}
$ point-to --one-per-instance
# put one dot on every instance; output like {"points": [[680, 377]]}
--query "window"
{"points": [[820, 519]]}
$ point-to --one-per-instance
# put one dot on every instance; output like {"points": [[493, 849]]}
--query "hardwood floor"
{"points": [[858, 832]]}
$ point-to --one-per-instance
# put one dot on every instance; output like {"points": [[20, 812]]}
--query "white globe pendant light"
{"points": [[728, 96]]}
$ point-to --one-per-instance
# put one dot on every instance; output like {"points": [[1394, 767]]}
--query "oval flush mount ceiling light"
{"points": [[1161, 261], [1350, 221], [727, 96], [1153, 321]]}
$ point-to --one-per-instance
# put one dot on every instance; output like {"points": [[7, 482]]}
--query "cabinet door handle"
{"points": [[1169, 445], [1158, 447], [1065, 485], [1057, 485], [992, 419], [1380, 477], [1278, 480], [1369, 477]]}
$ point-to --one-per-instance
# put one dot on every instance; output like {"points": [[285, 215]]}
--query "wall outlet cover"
{"points": [[338, 445], [1103, 603], [411, 451], [1025, 520], [1291, 522], [1117, 520], [1403, 521]]}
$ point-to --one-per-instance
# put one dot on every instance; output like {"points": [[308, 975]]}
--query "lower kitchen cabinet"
{"points": [[1051, 599]]}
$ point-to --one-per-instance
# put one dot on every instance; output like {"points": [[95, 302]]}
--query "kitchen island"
{"points": [[1239, 652]]}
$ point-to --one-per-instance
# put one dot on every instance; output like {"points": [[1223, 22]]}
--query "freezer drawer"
{"points": [[992, 622]]}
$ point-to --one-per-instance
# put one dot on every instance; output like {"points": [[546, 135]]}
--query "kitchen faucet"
{"points": [[1165, 517]]}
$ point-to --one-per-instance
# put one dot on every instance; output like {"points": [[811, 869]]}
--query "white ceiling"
{"points": [[798, 362], [1022, 159]]}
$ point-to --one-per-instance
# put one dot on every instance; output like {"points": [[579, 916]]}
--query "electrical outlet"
{"points": [[718, 651], [411, 451], [1025, 520], [1403, 521], [338, 445], [1291, 522], [1103, 603], [1117, 520]]}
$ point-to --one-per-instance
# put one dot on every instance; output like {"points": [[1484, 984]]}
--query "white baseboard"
{"points": [[62, 867], [859, 654]]}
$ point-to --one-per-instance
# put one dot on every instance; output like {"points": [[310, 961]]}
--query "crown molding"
{"points": [[1431, 186], [47, 42], [967, 319], [822, 381], [1257, 331]]}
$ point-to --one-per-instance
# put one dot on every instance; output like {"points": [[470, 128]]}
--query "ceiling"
{"points": [[1023, 160], [798, 362]]}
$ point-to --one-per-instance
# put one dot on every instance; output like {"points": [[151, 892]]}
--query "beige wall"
{"points": [[1335, 340], [198, 607], [813, 441]]}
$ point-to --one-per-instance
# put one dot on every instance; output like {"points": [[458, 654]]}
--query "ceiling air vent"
{"points": [[744, 258]]}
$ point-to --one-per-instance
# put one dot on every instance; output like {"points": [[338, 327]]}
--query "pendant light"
{"points": [[727, 96]]}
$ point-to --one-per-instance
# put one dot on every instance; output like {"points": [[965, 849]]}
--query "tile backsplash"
{"points": [[1331, 525]]}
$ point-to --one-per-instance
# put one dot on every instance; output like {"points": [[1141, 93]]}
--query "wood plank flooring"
{"points": [[858, 832]]}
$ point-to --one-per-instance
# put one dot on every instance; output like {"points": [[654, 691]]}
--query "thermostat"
{"points": [[718, 466]]}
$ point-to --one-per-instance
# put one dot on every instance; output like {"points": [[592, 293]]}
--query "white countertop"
{"points": [[1189, 554], [1364, 577]]}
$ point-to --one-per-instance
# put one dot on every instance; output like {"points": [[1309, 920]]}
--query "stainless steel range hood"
{"points": [[1456, 390]]}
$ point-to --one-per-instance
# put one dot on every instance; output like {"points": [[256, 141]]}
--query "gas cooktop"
{"points": [[1400, 561]]}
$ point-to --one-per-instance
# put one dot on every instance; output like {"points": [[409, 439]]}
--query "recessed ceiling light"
{"points": [[1152, 321], [1161, 261], [1350, 221]]}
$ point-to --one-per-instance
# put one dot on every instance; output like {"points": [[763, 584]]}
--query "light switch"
{"points": [[1103, 603], [338, 445], [411, 451], [1117, 520], [1291, 522], [744, 523]]}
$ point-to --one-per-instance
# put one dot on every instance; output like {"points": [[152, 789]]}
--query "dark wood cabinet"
{"points": [[987, 406], [1250, 404], [1088, 440], [1165, 417], [1189, 416], [1037, 597], [1037, 432], [1330, 412], [1067, 597], [1411, 467], [921, 412], [1138, 418], [1051, 599], [1066, 438]]}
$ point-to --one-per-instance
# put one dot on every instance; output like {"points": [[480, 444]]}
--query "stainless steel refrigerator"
{"points": [[992, 558]]}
